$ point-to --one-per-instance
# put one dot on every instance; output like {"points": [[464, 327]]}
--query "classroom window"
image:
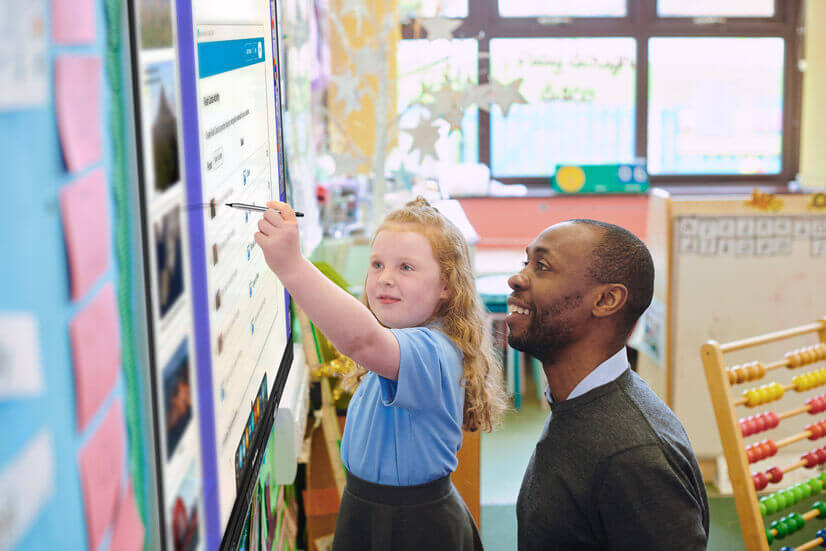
{"points": [[580, 109], [562, 8], [707, 91], [715, 8], [715, 105]]}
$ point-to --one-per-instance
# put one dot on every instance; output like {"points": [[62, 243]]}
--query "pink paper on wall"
{"points": [[128, 533], [101, 467], [84, 207], [77, 101], [95, 337], [73, 21]]}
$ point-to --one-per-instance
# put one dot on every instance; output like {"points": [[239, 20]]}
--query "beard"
{"points": [[549, 331]]}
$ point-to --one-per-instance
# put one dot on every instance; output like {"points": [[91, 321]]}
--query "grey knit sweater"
{"points": [[613, 469]]}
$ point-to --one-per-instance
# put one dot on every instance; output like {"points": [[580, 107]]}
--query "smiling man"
{"points": [[613, 468]]}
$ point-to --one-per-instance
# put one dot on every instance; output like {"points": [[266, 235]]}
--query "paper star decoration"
{"points": [[347, 91], [440, 27], [424, 138], [505, 95], [475, 94], [346, 165], [454, 119], [445, 100]]}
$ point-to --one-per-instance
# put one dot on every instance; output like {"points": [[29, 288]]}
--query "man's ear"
{"points": [[610, 300]]}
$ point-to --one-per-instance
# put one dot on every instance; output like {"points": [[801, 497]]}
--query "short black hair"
{"points": [[620, 257]]}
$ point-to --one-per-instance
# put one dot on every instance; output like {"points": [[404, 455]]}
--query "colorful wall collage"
{"points": [[71, 467]]}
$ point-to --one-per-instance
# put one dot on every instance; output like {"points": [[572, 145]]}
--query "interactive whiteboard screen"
{"points": [[239, 162], [208, 133]]}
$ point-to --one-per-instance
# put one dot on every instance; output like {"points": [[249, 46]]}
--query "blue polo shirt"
{"points": [[407, 432]]}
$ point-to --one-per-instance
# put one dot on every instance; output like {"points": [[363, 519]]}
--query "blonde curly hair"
{"points": [[462, 315]]}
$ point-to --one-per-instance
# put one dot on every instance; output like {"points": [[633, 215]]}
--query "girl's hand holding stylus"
{"points": [[278, 238]]}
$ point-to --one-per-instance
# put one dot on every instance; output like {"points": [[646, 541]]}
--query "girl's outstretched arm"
{"points": [[349, 325]]}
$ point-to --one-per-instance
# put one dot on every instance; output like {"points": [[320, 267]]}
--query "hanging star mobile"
{"points": [[440, 104]]}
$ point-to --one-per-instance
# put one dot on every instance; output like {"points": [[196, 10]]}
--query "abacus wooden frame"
{"points": [[745, 496]]}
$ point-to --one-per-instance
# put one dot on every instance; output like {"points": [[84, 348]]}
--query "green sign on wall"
{"points": [[614, 178]]}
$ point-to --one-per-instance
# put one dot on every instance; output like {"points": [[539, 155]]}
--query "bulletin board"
{"points": [[208, 132], [69, 398], [728, 268]]}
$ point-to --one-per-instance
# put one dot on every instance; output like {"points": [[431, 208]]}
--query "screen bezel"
{"points": [[228, 535]]}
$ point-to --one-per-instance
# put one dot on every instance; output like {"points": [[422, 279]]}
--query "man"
{"points": [[613, 468]]}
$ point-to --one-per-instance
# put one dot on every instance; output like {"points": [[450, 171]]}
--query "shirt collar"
{"points": [[604, 373]]}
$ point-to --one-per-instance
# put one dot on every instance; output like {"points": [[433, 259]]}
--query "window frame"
{"points": [[641, 22]]}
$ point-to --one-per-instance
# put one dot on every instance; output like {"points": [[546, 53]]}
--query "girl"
{"points": [[429, 371]]}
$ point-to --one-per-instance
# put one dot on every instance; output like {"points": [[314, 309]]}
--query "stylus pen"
{"points": [[256, 208]]}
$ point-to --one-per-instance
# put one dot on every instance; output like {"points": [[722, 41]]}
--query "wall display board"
{"points": [[727, 268], [208, 132]]}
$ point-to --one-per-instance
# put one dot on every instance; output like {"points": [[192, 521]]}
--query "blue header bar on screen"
{"points": [[227, 55]]}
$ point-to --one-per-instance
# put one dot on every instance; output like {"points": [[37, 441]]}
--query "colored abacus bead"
{"points": [[822, 535], [759, 423], [771, 505], [760, 450], [786, 497], [821, 508], [807, 355], [798, 520], [814, 457], [812, 379], [817, 430], [817, 404], [793, 359], [760, 481], [763, 394], [746, 372], [810, 459], [780, 527], [755, 371], [769, 536], [804, 356]]}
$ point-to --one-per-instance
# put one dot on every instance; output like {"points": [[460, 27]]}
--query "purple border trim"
{"points": [[279, 141], [200, 301]]}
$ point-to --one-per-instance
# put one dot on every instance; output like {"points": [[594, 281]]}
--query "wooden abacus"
{"points": [[732, 430]]}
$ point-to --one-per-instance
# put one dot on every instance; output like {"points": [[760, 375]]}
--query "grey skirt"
{"points": [[431, 516]]}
